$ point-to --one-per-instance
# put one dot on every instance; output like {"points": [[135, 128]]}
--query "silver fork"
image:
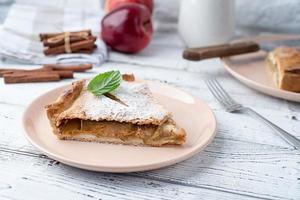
{"points": [[232, 106]]}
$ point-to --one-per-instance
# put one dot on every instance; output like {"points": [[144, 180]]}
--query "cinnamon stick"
{"points": [[65, 74], [44, 36], [62, 74], [87, 51], [10, 70], [61, 41], [74, 68], [76, 46], [31, 77]]}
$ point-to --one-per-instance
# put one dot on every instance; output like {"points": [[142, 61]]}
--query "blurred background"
{"points": [[253, 16]]}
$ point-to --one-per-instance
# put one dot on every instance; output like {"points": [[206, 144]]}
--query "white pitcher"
{"points": [[206, 22]]}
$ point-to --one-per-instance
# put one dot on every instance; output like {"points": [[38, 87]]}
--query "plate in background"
{"points": [[251, 70]]}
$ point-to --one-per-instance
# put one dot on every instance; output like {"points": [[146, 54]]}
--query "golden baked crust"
{"points": [[63, 103], [284, 65], [154, 128]]}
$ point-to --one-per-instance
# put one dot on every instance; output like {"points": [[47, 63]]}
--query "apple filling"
{"points": [[149, 134]]}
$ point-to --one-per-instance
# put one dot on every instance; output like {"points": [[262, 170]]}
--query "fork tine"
{"points": [[228, 98], [215, 93], [222, 98]]}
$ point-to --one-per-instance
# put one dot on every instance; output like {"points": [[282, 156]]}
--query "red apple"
{"points": [[112, 4], [128, 28]]}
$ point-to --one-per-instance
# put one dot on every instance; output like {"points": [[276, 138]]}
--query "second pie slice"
{"points": [[79, 115], [284, 65]]}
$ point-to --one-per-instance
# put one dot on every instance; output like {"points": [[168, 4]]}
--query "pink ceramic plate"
{"points": [[251, 70], [190, 113]]}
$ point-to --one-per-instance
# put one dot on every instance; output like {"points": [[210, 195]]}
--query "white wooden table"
{"points": [[246, 160]]}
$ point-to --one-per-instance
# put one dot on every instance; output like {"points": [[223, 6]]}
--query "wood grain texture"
{"points": [[245, 161], [46, 179]]}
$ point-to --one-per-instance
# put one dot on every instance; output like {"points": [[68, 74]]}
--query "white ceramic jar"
{"points": [[206, 22]]}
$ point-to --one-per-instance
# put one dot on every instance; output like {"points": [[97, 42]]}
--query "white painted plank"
{"points": [[259, 170], [165, 51], [242, 168], [33, 178]]}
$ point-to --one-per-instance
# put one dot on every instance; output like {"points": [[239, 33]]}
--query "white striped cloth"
{"points": [[27, 18]]}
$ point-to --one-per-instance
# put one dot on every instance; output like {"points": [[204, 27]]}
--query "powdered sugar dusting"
{"points": [[142, 107]]}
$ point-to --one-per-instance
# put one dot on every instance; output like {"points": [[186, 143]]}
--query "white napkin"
{"points": [[27, 18]]}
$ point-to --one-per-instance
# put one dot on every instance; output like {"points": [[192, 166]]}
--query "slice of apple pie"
{"points": [[139, 120]]}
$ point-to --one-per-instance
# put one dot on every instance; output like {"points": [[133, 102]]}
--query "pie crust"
{"points": [[79, 115]]}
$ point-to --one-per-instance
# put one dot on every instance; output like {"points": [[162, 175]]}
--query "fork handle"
{"points": [[295, 142]]}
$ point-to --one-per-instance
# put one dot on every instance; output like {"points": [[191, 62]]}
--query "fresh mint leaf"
{"points": [[105, 82]]}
